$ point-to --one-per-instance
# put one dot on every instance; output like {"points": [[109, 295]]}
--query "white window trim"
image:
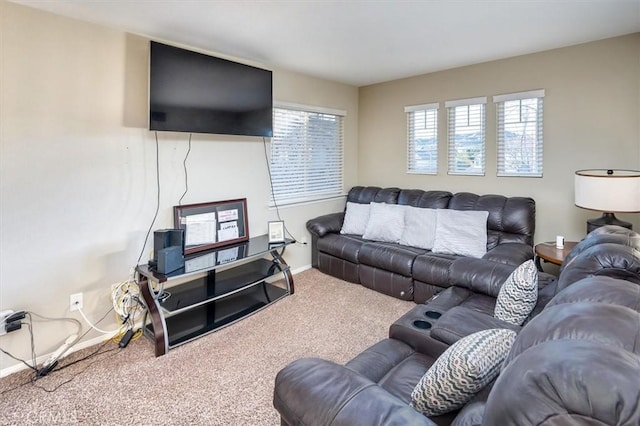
{"points": [[530, 94], [517, 96], [319, 197], [465, 102], [481, 100], [309, 108], [415, 108]]}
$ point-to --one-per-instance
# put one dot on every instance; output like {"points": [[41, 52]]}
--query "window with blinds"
{"points": [[519, 133], [422, 139], [466, 136], [306, 160]]}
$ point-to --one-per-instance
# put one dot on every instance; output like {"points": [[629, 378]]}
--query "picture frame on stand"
{"points": [[212, 224], [276, 232]]}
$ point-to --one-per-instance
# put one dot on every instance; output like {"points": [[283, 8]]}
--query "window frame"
{"points": [[538, 155], [411, 112], [452, 155], [307, 195]]}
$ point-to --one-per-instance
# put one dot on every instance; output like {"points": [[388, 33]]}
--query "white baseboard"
{"points": [[300, 269], [96, 340], [42, 358]]}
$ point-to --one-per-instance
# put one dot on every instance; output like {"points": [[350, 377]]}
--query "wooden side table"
{"points": [[548, 252]]}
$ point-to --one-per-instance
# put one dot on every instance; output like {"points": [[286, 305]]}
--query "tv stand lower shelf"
{"points": [[186, 304]]}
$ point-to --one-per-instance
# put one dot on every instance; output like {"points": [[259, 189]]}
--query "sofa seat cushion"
{"points": [[394, 365], [458, 296], [397, 368], [312, 391], [389, 257], [460, 321], [374, 362], [344, 247]]}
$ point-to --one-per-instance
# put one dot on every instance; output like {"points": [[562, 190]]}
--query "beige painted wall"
{"points": [[591, 111], [78, 167]]}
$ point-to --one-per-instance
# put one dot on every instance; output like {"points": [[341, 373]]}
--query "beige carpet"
{"points": [[225, 378]]}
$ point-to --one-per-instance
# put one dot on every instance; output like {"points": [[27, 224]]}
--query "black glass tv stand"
{"points": [[214, 289]]}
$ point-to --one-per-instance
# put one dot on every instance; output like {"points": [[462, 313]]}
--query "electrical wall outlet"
{"points": [[5, 314], [75, 302]]}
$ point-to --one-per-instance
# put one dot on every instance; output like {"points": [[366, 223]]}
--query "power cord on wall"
{"points": [[186, 176], [155, 216], [273, 195]]}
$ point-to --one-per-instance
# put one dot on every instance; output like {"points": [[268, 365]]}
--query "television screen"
{"points": [[193, 92]]}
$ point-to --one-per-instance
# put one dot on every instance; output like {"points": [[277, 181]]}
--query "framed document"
{"points": [[211, 225], [276, 231]]}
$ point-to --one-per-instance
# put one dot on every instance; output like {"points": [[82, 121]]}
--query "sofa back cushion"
{"points": [[567, 382], [373, 194], [424, 199], [511, 219], [610, 234], [607, 259]]}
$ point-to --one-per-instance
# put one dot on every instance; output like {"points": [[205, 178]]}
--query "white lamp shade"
{"points": [[610, 191]]}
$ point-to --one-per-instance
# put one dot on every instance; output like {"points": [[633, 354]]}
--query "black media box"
{"points": [[168, 250]]}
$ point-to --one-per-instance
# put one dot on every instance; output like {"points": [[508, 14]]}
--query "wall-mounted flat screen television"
{"points": [[197, 93]]}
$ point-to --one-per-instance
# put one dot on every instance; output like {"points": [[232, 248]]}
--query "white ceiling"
{"points": [[366, 41]]}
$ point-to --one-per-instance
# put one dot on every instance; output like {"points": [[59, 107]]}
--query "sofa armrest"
{"points": [[326, 224], [479, 275], [510, 253], [459, 322], [312, 391]]}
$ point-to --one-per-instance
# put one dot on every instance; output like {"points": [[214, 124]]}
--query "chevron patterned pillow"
{"points": [[518, 295], [461, 371]]}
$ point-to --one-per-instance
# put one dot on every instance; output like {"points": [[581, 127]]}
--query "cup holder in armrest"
{"points": [[433, 314], [423, 325]]}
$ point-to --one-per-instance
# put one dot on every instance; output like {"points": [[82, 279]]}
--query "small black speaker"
{"points": [[165, 238], [170, 259]]}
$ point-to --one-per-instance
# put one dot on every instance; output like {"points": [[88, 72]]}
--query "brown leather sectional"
{"points": [[576, 361], [411, 273]]}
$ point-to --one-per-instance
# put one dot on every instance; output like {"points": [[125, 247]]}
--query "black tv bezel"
{"points": [[213, 130]]}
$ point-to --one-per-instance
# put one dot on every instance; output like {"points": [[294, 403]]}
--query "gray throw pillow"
{"points": [[355, 218], [419, 227], [518, 295], [461, 371], [461, 232], [386, 222]]}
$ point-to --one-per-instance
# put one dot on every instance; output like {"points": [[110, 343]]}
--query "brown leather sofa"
{"points": [[411, 273], [577, 361]]}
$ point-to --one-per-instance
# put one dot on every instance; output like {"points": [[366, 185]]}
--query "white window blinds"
{"points": [[466, 136], [520, 133], [306, 154], [422, 138]]}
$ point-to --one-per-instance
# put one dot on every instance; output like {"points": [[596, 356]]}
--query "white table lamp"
{"points": [[608, 191]]}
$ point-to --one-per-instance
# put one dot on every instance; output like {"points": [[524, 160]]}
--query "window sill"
{"points": [[288, 204]]}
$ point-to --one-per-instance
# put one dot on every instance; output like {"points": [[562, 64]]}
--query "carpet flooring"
{"points": [[224, 378]]}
